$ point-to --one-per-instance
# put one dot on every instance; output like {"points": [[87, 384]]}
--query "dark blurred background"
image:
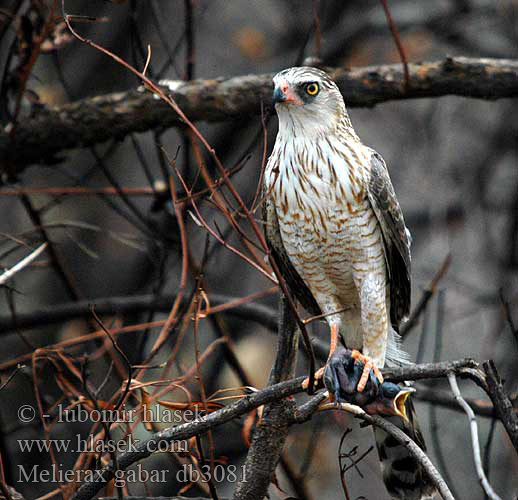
{"points": [[453, 162]]}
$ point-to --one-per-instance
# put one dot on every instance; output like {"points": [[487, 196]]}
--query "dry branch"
{"points": [[503, 406], [272, 430], [270, 394], [438, 397], [474, 438], [9, 273], [49, 132], [465, 367]]}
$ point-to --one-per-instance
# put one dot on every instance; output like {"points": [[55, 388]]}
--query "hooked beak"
{"points": [[400, 400], [278, 95], [284, 94]]}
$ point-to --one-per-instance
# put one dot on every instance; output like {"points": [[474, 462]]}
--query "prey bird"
{"points": [[335, 228]]}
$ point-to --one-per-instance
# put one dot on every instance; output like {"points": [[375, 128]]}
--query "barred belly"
{"points": [[338, 251]]}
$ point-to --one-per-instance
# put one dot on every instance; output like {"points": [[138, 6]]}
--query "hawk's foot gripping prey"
{"points": [[341, 378], [368, 365]]}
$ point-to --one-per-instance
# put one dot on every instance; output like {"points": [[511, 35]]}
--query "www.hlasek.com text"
{"points": [[92, 445]]}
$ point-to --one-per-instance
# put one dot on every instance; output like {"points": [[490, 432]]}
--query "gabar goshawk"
{"points": [[337, 233]]}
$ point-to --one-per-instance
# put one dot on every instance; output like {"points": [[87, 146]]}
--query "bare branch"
{"points": [[474, 437], [197, 427], [428, 293], [7, 275], [443, 398], [272, 431], [42, 137], [503, 407], [432, 370]]}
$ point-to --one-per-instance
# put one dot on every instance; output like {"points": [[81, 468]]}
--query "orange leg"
{"points": [[332, 347], [368, 366], [333, 342]]}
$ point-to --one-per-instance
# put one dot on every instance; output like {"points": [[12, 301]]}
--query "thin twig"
{"points": [[507, 315], [428, 293], [318, 33], [123, 356], [104, 423], [474, 438], [15, 371], [399, 45], [173, 317], [7, 275], [197, 315], [342, 467], [57, 313]]}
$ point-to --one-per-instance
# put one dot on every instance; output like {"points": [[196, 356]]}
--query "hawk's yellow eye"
{"points": [[312, 89]]}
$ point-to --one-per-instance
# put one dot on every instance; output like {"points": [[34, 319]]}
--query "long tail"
{"points": [[404, 477]]}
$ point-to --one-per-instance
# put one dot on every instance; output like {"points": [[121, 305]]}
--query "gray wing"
{"points": [[396, 238], [295, 283]]}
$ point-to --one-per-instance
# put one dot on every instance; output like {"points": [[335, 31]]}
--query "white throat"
{"points": [[296, 121]]}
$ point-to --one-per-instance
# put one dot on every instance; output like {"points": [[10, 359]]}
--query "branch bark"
{"points": [[49, 132], [501, 402], [272, 429]]}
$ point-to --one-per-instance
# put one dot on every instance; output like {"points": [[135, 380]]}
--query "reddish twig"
{"points": [[428, 293], [173, 318], [197, 311], [318, 33], [397, 40], [507, 315], [263, 160], [26, 69], [122, 354]]}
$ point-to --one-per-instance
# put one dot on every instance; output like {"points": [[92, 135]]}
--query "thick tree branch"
{"points": [[43, 137], [273, 426], [503, 406], [465, 367]]}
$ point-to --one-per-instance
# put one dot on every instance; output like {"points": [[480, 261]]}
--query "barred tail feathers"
{"points": [[404, 477]]}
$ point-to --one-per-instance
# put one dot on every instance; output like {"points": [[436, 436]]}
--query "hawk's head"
{"points": [[306, 100]]}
